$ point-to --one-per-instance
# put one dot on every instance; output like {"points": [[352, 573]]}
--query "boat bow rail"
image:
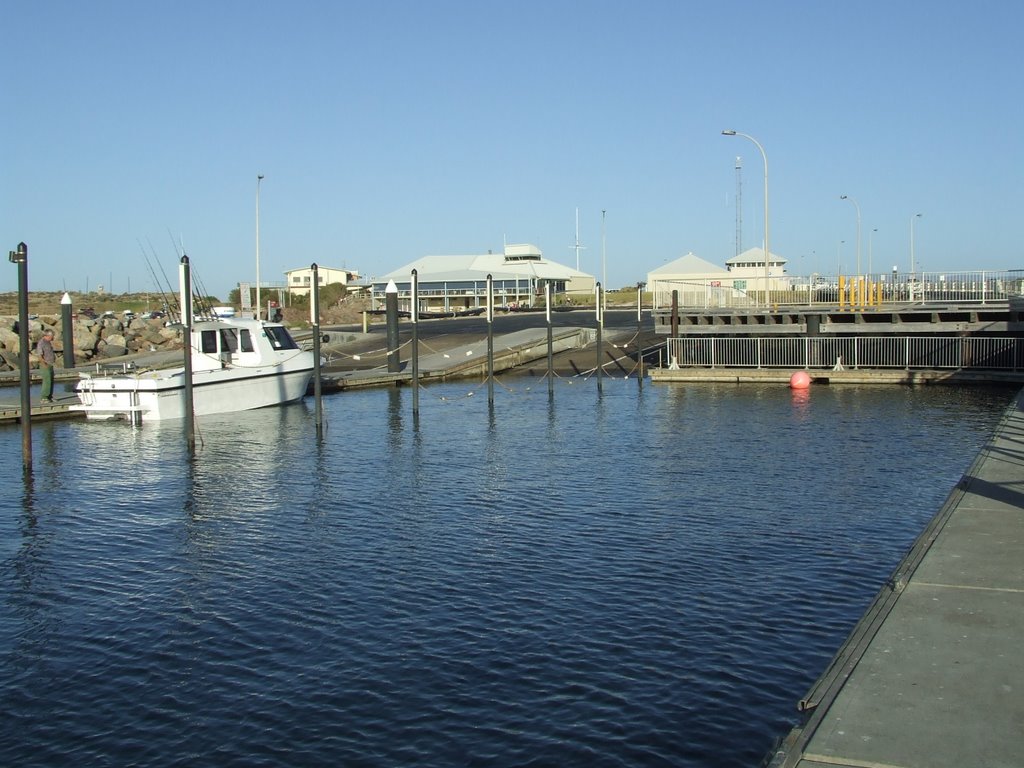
{"points": [[123, 368]]}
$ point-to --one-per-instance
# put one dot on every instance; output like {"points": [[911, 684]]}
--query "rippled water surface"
{"points": [[625, 578]]}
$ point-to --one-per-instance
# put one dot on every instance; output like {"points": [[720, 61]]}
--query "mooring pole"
{"points": [[391, 317], [551, 344], [314, 309], [414, 314], [185, 283], [600, 337], [639, 333], [675, 313], [490, 339], [67, 331], [20, 257]]}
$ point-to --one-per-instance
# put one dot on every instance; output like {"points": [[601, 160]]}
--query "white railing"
{"points": [[1002, 353], [981, 287]]}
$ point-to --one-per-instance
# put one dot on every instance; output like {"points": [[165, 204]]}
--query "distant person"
{"points": [[46, 361]]}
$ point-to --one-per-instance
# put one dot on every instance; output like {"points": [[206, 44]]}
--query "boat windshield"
{"points": [[279, 337]]}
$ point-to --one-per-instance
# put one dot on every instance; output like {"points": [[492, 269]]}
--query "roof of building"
{"points": [[517, 261], [321, 267], [754, 256], [687, 265]]}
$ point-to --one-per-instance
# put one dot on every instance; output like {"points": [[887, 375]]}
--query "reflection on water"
{"points": [[616, 578]]}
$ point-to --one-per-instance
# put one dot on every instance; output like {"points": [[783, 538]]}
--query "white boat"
{"points": [[237, 364]]}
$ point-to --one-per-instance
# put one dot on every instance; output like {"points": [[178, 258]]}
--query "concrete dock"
{"points": [[10, 408], [933, 674], [901, 376]]}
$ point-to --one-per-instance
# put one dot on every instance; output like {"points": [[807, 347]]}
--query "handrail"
{"points": [[1004, 353]]}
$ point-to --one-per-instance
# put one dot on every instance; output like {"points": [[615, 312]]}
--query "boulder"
{"points": [[85, 341], [171, 335], [111, 325], [10, 340], [115, 340], [151, 335], [106, 350]]}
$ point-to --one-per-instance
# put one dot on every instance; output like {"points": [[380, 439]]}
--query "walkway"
{"points": [[933, 675]]}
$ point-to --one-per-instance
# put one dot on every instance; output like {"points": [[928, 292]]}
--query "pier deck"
{"points": [[932, 676]]}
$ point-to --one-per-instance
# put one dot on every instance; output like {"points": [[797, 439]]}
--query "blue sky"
{"points": [[396, 129]]}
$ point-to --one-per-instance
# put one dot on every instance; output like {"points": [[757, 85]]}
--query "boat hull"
{"points": [[161, 395]]}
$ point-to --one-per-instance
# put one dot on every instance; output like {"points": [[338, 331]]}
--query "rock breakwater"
{"points": [[101, 338]]}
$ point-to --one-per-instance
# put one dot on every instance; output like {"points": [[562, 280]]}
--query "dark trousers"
{"points": [[46, 371]]}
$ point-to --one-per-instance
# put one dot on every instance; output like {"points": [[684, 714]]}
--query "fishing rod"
{"points": [[200, 301], [201, 296], [175, 308], [164, 301]]}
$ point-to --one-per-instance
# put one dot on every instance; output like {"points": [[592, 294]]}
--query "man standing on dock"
{"points": [[46, 361]]}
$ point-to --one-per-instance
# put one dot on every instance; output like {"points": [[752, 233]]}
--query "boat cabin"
{"points": [[219, 344]]}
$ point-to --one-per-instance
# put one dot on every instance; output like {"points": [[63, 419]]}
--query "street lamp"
{"points": [[847, 197], [912, 218], [870, 247], [259, 178], [767, 249]]}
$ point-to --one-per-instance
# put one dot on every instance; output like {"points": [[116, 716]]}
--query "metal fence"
{"points": [[1001, 353], [983, 287]]}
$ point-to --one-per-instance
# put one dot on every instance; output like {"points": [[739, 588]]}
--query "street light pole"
{"points": [[915, 216], [912, 218], [767, 248], [870, 247], [259, 178], [855, 205]]}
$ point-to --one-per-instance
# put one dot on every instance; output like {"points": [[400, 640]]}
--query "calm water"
{"points": [[624, 579]]}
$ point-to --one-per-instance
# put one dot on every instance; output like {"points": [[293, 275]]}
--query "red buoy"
{"points": [[800, 380]]}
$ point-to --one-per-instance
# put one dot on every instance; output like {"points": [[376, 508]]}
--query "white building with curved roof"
{"points": [[452, 283]]}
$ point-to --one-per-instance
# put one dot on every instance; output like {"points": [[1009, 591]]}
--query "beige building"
{"points": [[699, 283], [300, 281]]}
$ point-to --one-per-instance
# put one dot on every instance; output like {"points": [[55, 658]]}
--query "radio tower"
{"points": [[739, 205]]}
